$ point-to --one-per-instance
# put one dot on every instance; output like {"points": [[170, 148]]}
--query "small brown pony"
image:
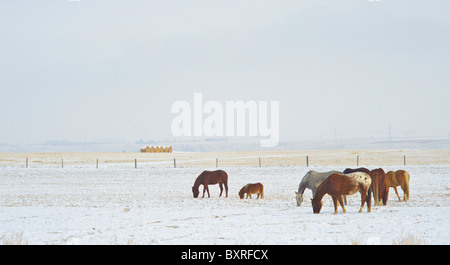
{"points": [[338, 185], [380, 190], [252, 188], [399, 178], [211, 178]]}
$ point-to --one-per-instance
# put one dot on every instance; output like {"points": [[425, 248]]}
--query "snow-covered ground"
{"points": [[123, 205]]}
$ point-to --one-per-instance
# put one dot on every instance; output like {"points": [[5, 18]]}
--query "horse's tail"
{"points": [[406, 191], [223, 176], [261, 190]]}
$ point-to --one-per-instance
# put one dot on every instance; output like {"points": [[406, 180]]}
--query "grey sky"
{"points": [[110, 69]]}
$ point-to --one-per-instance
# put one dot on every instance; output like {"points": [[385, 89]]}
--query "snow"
{"points": [[122, 205]]}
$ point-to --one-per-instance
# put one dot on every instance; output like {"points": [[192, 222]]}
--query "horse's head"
{"points": [[299, 198], [195, 192], [317, 205], [241, 193]]}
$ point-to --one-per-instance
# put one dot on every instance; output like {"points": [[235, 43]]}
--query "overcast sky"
{"points": [[95, 70]]}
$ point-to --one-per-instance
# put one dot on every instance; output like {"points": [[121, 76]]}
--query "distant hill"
{"points": [[229, 144]]}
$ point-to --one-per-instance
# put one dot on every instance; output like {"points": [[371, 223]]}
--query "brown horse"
{"points": [[379, 188], [211, 178], [252, 188], [399, 178], [382, 189], [338, 185]]}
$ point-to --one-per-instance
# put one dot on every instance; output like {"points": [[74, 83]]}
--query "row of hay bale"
{"points": [[157, 149]]}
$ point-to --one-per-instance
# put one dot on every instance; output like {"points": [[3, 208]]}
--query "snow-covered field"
{"points": [[122, 205]]}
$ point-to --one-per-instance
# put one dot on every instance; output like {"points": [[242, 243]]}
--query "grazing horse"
{"points": [[312, 180], [211, 178], [379, 188], [399, 178], [252, 188], [338, 185], [382, 190]]}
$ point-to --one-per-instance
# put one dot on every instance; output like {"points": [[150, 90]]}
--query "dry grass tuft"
{"points": [[13, 239], [401, 240], [408, 240]]}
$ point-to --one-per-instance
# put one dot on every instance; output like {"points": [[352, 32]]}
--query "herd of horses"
{"points": [[337, 184]]}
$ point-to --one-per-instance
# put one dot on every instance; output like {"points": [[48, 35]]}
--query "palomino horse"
{"points": [[252, 188], [399, 178], [379, 189], [338, 185], [312, 180], [211, 178]]}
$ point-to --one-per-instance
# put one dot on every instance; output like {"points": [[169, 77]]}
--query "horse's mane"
{"points": [[320, 190], [243, 189], [301, 186], [198, 180]]}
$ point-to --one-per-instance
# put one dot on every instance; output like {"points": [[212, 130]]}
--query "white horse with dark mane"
{"points": [[312, 180]]}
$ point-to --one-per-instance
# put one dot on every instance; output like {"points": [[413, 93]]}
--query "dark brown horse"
{"points": [[379, 188], [211, 178], [338, 185]]}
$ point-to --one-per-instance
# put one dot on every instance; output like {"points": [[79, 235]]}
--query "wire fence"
{"points": [[348, 158]]}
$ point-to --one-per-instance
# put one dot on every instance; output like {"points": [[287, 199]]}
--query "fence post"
{"points": [[404, 160], [357, 160], [307, 162], [217, 162], [259, 161], [96, 165], [27, 162], [174, 163], [135, 163], [62, 162]]}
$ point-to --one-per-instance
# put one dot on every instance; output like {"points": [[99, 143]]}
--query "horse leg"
{"points": [[363, 200], [204, 189], [221, 189], [344, 199], [342, 203], [385, 196], [396, 192], [335, 203], [207, 190], [259, 193], [226, 189]]}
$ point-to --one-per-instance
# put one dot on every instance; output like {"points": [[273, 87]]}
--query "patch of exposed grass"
{"points": [[13, 239]]}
